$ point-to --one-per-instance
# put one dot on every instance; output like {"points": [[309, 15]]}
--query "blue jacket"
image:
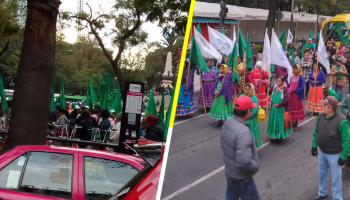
{"points": [[301, 87], [320, 78]]}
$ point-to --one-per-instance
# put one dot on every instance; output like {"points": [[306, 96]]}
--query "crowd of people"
{"points": [[80, 122], [310, 81]]}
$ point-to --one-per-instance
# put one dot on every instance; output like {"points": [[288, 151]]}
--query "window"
{"points": [[103, 178], [48, 174], [10, 175]]}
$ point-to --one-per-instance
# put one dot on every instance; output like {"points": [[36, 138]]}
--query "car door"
{"points": [[101, 177], [38, 175]]}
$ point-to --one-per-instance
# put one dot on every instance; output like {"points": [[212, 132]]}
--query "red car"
{"points": [[57, 173]]}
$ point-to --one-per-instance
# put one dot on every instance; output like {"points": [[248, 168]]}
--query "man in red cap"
{"points": [[240, 155]]}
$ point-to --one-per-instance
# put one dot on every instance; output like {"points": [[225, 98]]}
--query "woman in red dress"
{"points": [[259, 78]]}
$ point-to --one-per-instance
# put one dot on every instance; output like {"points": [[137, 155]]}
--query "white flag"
{"points": [[235, 38], [290, 37], [322, 54], [278, 57], [206, 48], [220, 41], [266, 59]]}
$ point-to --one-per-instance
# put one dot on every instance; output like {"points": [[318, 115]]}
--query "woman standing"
{"points": [[62, 124], [296, 90], [316, 79], [185, 104], [208, 83], [338, 72], [222, 108], [260, 80], [253, 123], [280, 122]]}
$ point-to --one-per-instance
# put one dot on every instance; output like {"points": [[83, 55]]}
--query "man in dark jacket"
{"points": [[154, 131], [332, 137], [240, 155]]}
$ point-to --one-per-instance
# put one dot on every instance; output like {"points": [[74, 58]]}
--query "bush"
{"points": [[258, 48]]}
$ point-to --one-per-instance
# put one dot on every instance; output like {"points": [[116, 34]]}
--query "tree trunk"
{"points": [[6, 47], [270, 23], [35, 74]]}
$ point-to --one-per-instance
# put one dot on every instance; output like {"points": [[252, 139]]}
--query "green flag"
{"points": [[199, 29], [3, 95], [53, 104], [249, 55], [318, 34], [233, 63], [117, 101], [310, 34], [223, 30], [197, 58], [168, 115], [241, 43], [293, 59], [62, 97], [88, 100], [151, 107], [283, 39], [161, 111], [93, 97]]}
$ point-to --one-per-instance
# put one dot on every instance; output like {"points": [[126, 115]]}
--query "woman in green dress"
{"points": [[249, 90], [280, 122], [222, 107]]}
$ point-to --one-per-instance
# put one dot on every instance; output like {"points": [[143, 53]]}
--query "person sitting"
{"points": [[154, 131]]}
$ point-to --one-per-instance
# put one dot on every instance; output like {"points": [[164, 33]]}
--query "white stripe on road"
{"points": [[213, 173], [177, 123], [194, 183]]}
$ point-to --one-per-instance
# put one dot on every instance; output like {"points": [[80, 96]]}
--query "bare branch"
{"points": [[5, 48]]}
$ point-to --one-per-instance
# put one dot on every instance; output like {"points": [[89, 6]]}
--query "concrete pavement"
{"points": [[195, 164]]}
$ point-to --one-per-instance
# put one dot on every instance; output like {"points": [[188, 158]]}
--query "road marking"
{"points": [[213, 173], [177, 123], [194, 183]]}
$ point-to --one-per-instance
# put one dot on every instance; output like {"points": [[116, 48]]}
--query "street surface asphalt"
{"points": [[195, 168]]}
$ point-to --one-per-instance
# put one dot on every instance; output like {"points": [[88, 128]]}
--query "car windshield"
{"points": [[151, 153], [333, 34]]}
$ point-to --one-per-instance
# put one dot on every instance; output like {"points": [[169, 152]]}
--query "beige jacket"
{"points": [[342, 71]]}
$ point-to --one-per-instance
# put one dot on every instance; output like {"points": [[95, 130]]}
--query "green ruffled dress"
{"points": [[275, 127], [220, 110], [253, 122]]}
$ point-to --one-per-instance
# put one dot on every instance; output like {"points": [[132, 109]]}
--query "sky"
{"points": [[154, 32]]}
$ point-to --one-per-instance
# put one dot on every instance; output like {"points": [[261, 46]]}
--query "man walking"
{"points": [[240, 155], [332, 137]]}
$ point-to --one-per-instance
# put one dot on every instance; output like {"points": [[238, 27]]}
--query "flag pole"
{"points": [[313, 98], [188, 71], [200, 76], [267, 101], [329, 35], [245, 65]]}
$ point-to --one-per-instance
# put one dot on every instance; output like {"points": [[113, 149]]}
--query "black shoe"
{"points": [[318, 197]]}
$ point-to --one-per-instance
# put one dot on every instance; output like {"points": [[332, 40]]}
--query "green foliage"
{"points": [[258, 48]]}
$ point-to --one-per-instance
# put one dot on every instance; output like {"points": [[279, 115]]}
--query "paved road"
{"points": [[195, 165]]}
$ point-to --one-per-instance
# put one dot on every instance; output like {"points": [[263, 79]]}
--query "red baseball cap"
{"points": [[244, 103]]}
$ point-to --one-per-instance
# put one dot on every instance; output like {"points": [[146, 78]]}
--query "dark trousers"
{"points": [[242, 188], [307, 88]]}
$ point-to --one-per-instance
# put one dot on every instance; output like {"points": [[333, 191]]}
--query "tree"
{"points": [[128, 16], [270, 23], [32, 97], [9, 26]]}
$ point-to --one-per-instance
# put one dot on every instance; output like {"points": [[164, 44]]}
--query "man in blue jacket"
{"points": [[240, 155]]}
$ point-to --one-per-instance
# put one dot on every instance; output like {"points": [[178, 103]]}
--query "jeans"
{"points": [[338, 90], [243, 188], [329, 162]]}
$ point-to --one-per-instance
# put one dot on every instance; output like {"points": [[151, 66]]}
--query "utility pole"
{"points": [[291, 18]]}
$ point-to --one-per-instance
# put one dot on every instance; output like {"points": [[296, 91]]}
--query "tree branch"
{"points": [[5, 48]]}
